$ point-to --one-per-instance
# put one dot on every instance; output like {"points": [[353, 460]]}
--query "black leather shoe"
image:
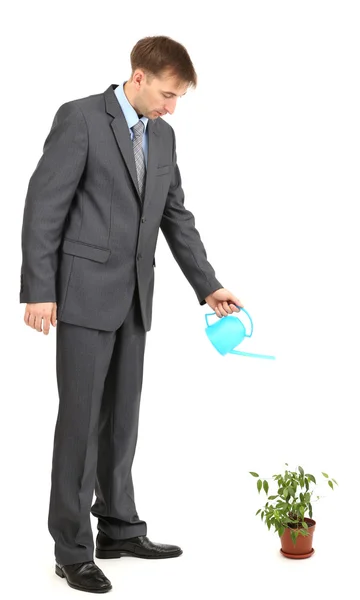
{"points": [[85, 576], [141, 547]]}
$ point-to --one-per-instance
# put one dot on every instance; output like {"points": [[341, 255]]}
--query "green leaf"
{"points": [[303, 532], [277, 524], [305, 525], [272, 497], [294, 535], [335, 481], [325, 474], [257, 512], [259, 485], [286, 520], [265, 486], [310, 511], [285, 493], [253, 474], [262, 515], [301, 471], [281, 530], [331, 484], [311, 477]]}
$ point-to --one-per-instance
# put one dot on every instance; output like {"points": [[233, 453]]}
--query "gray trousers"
{"points": [[99, 375]]}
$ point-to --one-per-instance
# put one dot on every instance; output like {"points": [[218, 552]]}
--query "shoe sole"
{"points": [[59, 572], [119, 554]]}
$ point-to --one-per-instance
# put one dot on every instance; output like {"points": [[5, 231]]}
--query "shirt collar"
{"points": [[128, 110]]}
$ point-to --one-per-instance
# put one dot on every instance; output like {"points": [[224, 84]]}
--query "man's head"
{"points": [[161, 73]]}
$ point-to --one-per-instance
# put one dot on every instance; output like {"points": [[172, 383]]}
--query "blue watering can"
{"points": [[228, 332]]}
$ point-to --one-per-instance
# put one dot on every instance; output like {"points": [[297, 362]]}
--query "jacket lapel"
{"points": [[122, 135]]}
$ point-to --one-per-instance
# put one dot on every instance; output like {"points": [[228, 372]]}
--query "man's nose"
{"points": [[171, 105]]}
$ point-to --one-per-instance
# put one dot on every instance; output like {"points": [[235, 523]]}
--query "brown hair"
{"points": [[159, 53]]}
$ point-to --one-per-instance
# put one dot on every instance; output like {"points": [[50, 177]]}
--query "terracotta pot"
{"points": [[303, 545]]}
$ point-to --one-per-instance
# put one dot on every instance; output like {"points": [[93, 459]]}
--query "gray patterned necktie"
{"points": [[138, 130]]}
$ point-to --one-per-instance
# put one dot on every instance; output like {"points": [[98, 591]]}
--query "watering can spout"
{"points": [[251, 354]]}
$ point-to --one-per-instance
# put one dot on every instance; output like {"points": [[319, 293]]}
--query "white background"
{"points": [[268, 149]]}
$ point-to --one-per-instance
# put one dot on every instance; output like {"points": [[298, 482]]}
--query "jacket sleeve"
{"points": [[50, 191], [178, 227]]}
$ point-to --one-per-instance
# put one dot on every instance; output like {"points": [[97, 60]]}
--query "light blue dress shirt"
{"points": [[132, 117]]}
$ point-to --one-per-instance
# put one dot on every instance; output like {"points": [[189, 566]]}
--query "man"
{"points": [[107, 181]]}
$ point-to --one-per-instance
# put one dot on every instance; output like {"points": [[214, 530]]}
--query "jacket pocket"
{"points": [[163, 170], [85, 250]]}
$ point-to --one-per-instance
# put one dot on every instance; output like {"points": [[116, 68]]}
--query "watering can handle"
{"points": [[241, 309], [206, 317]]}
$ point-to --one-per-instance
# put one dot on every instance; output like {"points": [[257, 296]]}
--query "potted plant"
{"points": [[285, 511]]}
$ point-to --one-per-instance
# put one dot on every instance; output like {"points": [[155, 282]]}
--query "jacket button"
{"points": [[143, 220]]}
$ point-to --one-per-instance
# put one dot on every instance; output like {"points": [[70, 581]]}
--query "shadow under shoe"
{"points": [[85, 576]]}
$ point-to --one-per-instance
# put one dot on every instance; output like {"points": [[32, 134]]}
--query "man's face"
{"points": [[158, 96]]}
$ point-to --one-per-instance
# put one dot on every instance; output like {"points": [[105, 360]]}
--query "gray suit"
{"points": [[88, 244]]}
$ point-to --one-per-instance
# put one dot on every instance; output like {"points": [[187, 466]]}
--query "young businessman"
{"points": [[106, 183]]}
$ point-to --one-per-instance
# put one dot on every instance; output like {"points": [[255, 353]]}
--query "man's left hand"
{"points": [[223, 302]]}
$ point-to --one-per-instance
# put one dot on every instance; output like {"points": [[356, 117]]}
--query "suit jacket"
{"points": [[87, 238]]}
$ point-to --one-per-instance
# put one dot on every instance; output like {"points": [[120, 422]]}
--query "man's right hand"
{"points": [[39, 315]]}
